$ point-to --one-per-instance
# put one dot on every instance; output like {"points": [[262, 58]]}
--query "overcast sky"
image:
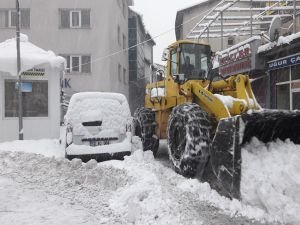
{"points": [[159, 17]]}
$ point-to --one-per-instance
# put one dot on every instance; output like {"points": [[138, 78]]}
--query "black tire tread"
{"points": [[196, 125], [144, 127]]}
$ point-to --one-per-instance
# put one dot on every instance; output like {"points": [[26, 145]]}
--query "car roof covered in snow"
{"points": [[93, 106], [96, 95]]}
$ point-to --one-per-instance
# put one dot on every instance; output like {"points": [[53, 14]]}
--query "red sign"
{"points": [[235, 60]]}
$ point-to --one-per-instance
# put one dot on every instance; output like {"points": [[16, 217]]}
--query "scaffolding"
{"points": [[225, 19]]}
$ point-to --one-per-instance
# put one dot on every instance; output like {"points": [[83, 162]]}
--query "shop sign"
{"points": [[236, 60], [34, 72], [241, 58], [284, 62], [66, 83]]}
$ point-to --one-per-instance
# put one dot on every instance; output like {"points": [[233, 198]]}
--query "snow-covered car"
{"points": [[97, 126]]}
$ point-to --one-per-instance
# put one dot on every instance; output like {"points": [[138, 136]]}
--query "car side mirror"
{"points": [[129, 124]]}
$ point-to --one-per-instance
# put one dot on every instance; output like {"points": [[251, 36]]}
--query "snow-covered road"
{"points": [[38, 189]]}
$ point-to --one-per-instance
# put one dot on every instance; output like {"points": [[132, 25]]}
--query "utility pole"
{"points": [[294, 25], [20, 96], [222, 31], [251, 19]]}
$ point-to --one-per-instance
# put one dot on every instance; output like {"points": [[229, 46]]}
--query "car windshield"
{"points": [[194, 61]]}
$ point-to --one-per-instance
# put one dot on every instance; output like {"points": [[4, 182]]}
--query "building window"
{"points": [[75, 19], [78, 63], [35, 98], [79, 18], [8, 18], [230, 41], [124, 41], [124, 76], [119, 35], [119, 72]]}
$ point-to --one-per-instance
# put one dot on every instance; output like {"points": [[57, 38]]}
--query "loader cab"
{"points": [[189, 61]]}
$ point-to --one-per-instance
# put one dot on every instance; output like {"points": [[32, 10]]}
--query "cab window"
{"points": [[173, 62]]}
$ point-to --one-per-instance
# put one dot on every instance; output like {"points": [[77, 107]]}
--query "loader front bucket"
{"points": [[232, 133]]}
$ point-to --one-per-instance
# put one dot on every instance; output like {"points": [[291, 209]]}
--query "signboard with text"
{"points": [[241, 58], [284, 62]]}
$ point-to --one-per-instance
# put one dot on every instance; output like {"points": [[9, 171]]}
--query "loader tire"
{"points": [[144, 127], [189, 139]]}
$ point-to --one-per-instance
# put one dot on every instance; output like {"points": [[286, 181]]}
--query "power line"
{"points": [[141, 43]]}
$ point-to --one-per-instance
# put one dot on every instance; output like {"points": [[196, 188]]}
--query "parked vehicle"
{"points": [[98, 126]]}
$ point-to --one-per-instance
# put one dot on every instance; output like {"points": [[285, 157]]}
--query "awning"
{"points": [[31, 56]]}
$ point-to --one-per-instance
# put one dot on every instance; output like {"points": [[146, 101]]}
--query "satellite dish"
{"points": [[275, 28]]}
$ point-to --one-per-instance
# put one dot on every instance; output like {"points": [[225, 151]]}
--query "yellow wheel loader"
{"points": [[207, 118]]}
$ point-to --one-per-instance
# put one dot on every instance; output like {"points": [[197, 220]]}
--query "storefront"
{"points": [[282, 59], [242, 58], [41, 91], [285, 82]]}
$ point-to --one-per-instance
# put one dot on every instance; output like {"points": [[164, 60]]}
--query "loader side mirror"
{"points": [[165, 54], [179, 78]]}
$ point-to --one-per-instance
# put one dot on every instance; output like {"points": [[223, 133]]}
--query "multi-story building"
{"points": [[140, 59], [89, 34]]}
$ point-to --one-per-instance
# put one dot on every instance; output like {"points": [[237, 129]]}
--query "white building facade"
{"points": [[86, 33]]}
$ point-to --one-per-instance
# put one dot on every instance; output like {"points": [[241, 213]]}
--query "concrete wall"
{"points": [[100, 40]]}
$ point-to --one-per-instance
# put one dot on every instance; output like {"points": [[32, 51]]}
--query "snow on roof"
{"points": [[240, 44], [196, 2], [281, 41], [31, 56]]}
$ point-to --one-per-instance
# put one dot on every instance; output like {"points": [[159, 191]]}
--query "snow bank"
{"points": [[271, 179], [21, 206], [270, 185], [281, 41], [45, 147], [142, 190], [157, 92], [31, 56]]}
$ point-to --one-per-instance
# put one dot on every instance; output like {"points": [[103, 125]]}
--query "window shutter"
{"points": [[85, 18], [3, 18], [6, 18], [25, 18], [64, 18], [86, 64]]}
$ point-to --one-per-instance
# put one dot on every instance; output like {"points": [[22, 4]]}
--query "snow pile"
{"points": [[31, 56], [110, 108], [38, 207], [271, 179], [141, 190], [157, 92], [281, 41], [44, 147]]}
